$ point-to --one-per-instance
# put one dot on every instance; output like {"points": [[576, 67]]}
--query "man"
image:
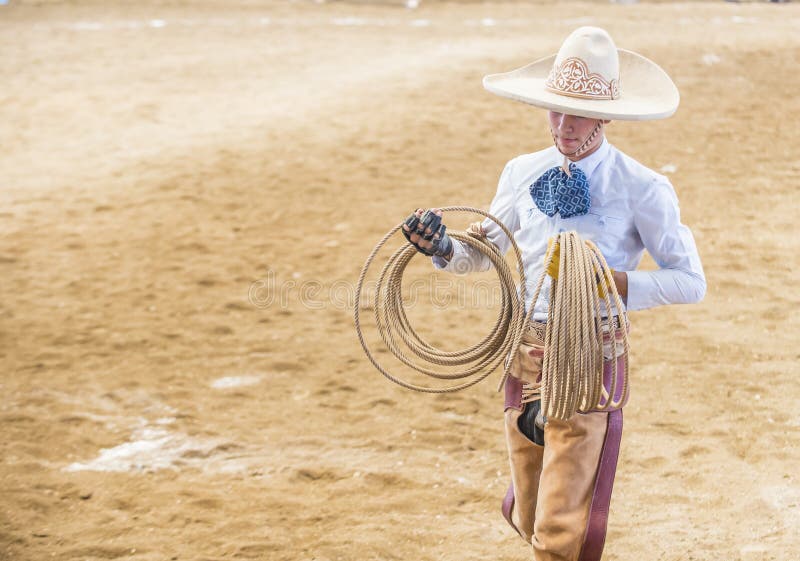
{"points": [[561, 482]]}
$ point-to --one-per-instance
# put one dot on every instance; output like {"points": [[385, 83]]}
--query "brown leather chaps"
{"points": [[559, 494]]}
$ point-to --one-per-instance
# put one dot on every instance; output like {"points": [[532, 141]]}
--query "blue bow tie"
{"points": [[555, 191]]}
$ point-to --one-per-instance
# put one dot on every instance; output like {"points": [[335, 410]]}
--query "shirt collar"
{"points": [[588, 164]]}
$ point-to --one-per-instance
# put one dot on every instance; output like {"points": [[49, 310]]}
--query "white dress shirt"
{"points": [[632, 209]]}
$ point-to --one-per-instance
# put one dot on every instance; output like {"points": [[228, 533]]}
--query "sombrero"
{"points": [[591, 77]]}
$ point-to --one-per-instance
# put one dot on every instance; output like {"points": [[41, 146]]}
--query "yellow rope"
{"points": [[573, 365]]}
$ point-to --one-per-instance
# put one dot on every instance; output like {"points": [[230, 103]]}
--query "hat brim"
{"points": [[646, 91]]}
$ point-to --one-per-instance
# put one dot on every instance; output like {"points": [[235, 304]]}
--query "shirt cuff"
{"points": [[443, 264], [439, 262], [648, 289], [640, 286]]}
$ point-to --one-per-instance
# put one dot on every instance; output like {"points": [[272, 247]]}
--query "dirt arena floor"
{"points": [[187, 194]]}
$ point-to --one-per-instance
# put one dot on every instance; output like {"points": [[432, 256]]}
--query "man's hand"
{"points": [[425, 231]]}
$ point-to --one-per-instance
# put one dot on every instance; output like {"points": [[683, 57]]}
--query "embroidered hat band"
{"points": [[572, 77]]}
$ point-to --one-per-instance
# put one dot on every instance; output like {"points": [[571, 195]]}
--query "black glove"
{"points": [[428, 227]]}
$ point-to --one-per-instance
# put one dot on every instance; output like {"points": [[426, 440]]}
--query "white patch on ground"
{"points": [[235, 382], [157, 23], [669, 168], [153, 446], [150, 449], [420, 23], [785, 502], [709, 59], [781, 497]]}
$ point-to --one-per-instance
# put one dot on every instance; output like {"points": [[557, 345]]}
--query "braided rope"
{"points": [[572, 370], [572, 379]]}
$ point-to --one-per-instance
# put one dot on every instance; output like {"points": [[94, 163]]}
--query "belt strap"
{"points": [[513, 393], [595, 537], [507, 508]]}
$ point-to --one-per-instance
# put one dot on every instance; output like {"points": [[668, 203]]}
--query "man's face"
{"points": [[570, 131]]}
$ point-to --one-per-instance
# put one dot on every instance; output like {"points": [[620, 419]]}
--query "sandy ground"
{"points": [[188, 193]]}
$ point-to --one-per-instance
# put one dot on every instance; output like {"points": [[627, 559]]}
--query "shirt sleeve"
{"points": [[680, 278], [467, 259]]}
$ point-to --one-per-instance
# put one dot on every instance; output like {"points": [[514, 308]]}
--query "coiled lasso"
{"points": [[572, 378]]}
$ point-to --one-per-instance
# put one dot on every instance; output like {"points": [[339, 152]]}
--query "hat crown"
{"points": [[586, 66]]}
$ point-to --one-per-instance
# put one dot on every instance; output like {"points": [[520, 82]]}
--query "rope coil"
{"points": [[572, 377], [574, 362]]}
